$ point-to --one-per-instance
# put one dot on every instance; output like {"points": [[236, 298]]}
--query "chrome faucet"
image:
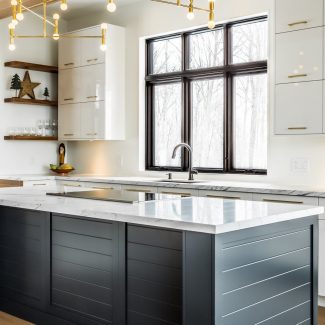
{"points": [[191, 171]]}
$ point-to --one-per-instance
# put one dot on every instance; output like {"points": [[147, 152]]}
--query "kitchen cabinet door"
{"points": [[298, 14], [69, 122], [299, 108], [299, 56], [69, 53], [286, 199], [90, 48], [92, 83], [93, 120], [70, 86]]}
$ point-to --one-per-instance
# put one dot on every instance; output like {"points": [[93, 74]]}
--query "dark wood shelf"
{"points": [[31, 66], [26, 101], [29, 138]]}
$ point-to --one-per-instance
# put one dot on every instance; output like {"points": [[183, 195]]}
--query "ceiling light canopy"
{"points": [[17, 9]]}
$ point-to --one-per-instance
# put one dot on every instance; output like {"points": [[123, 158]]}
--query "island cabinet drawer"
{"points": [[84, 269], [136, 188], [69, 183], [39, 183], [178, 191], [154, 276], [227, 195], [286, 199]]}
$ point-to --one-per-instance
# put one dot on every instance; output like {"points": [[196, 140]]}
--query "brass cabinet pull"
{"points": [[72, 185], [102, 188], [90, 97], [39, 184], [67, 64], [176, 193], [297, 128], [283, 201], [91, 133], [67, 99], [291, 76], [138, 190], [68, 134], [224, 197], [91, 60], [301, 22]]}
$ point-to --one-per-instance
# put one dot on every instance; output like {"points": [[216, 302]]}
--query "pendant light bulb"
{"points": [[11, 26], [64, 5], [211, 24], [103, 47], [20, 16], [190, 15], [111, 6], [12, 47], [14, 22], [14, 2]]}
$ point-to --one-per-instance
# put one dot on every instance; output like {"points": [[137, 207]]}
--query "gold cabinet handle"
{"points": [[176, 193], [91, 134], [91, 97], [138, 190], [39, 184], [68, 64], [283, 201], [297, 128], [301, 22], [71, 185], [68, 134], [91, 60], [224, 197], [102, 188], [291, 76], [67, 99]]}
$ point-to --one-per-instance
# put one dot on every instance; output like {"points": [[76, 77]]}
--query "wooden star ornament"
{"points": [[27, 87]]}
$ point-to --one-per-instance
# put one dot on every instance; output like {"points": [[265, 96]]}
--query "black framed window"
{"points": [[208, 88]]}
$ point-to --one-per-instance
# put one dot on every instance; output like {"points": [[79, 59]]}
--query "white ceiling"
{"points": [[83, 7]]}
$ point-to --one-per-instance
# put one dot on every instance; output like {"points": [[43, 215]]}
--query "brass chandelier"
{"points": [[18, 8]]}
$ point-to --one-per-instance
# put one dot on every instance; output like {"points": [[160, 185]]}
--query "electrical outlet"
{"points": [[300, 165]]}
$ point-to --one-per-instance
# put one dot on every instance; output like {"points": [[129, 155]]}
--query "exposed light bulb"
{"points": [[56, 37], [56, 16], [12, 47], [63, 6], [20, 16], [103, 47], [111, 7], [14, 2], [104, 26], [14, 22], [190, 15], [211, 24], [11, 26]]}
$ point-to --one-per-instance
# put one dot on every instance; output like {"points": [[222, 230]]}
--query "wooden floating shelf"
{"points": [[31, 66], [29, 138], [26, 101]]}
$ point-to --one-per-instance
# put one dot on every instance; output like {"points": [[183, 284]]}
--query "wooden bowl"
{"points": [[62, 172]]}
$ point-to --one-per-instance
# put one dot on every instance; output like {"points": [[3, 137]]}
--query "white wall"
{"points": [[122, 158], [26, 157]]}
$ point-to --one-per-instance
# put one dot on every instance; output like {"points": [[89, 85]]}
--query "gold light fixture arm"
{"points": [[179, 4]]}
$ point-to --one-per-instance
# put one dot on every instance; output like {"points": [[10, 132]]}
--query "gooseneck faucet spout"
{"points": [[191, 171]]}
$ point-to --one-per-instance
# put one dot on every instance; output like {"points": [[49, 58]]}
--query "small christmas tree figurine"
{"points": [[15, 83], [46, 93]]}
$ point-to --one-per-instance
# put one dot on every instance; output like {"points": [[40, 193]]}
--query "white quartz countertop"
{"points": [[227, 186], [206, 215]]}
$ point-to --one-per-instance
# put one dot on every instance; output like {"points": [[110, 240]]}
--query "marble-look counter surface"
{"points": [[227, 186], [197, 214]]}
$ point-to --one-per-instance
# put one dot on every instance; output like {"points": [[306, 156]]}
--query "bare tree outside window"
{"points": [[208, 88]]}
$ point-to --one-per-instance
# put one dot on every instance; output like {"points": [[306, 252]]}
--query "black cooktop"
{"points": [[116, 196]]}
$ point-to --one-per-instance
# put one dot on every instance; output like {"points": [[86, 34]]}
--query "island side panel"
{"points": [[267, 275]]}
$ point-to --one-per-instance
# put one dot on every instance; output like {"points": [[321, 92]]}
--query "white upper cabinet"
{"points": [[298, 14], [69, 53], [90, 51], [93, 120], [299, 108], [299, 56], [92, 90]]}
